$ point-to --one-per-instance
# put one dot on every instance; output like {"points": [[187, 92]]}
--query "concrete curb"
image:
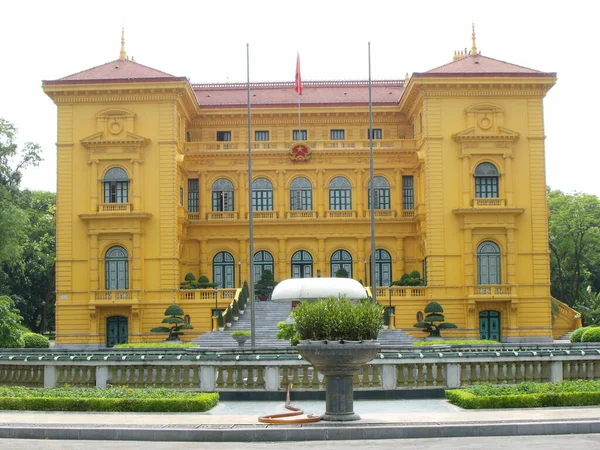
{"points": [[310, 432]]}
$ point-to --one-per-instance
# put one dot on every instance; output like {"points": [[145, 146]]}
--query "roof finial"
{"points": [[473, 46], [406, 79], [123, 55]]}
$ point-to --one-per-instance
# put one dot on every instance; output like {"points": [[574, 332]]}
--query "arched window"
{"points": [[382, 193], [383, 268], [340, 194], [262, 261], [302, 264], [262, 195], [341, 259], [224, 270], [116, 268], [116, 186], [486, 181], [222, 195], [301, 195], [488, 263]]}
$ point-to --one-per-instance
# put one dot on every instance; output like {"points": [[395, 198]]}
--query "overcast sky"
{"points": [[206, 42]]}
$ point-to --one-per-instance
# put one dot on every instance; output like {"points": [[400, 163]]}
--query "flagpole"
{"points": [[250, 210], [298, 85], [372, 187]]}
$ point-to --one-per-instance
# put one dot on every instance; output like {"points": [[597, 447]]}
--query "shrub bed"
{"points": [[155, 345], [527, 395], [109, 399], [576, 335], [592, 334], [34, 340], [456, 342]]}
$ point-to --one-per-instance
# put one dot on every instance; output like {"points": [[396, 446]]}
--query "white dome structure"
{"points": [[295, 289]]}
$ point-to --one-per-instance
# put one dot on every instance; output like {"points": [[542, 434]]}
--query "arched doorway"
{"points": [[117, 330], [224, 270], [489, 325], [263, 260], [341, 259], [116, 275], [302, 264]]}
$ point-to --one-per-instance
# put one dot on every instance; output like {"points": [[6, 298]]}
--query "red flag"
{"points": [[298, 85]]}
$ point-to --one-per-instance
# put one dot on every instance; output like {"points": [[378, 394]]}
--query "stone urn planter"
{"points": [[339, 362], [241, 340]]}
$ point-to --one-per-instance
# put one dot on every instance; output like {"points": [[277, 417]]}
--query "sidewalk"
{"points": [[238, 421]]}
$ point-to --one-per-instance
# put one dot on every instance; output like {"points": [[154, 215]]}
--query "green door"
{"points": [[116, 330], [489, 325]]}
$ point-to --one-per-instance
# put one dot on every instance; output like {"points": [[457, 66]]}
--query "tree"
{"points": [[341, 273], [10, 325], [574, 236], [434, 314], [264, 287], [173, 315]]}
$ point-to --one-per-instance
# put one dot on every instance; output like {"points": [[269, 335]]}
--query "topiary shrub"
{"points": [[434, 314], [591, 335], [236, 309], [264, 287], [174, 317], [412, 279], [34, 340], [341, 273], [576, 335]]}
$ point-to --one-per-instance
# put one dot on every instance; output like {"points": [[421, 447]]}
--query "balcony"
{"points": [[382, 213], [114, 207], [206, 295], [489, 291], [408, 213], [489, 203], [121, 297], [379, 144], [264, 215], [222, 215], [194, 216], [301, 214], [383, 292], [341, 214]]}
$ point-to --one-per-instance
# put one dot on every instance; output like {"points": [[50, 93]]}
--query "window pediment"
{"points": [[127, 139]]}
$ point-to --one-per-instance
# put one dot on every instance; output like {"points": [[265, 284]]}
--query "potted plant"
{"points": [[221, 320], [236, 311], [434, 314], [228, 318], [386, 318], [337, 337], [264, 287], [174, 317], [241, 336]]}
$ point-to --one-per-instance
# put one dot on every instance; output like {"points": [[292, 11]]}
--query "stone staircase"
{"points": [[268, 315], [566, 336]]}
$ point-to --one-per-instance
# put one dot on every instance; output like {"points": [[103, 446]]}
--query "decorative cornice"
{"points": [[99, 140]]}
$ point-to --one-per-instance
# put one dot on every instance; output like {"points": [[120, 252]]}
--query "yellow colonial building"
{"points": [[153, 184]]}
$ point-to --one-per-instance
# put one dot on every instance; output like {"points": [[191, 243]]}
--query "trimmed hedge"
{"points": [[591, 335], [110, 399], [155, 345], [527, 395], [456, 342], [576, 335], [34, 340]]}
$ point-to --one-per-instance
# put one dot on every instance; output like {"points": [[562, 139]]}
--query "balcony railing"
{"points": [[488, 202], [264, 215], [222, 215], [408, 213], [114, 207], [383, 292], [211, 295], [397, 144], [299, 214], [492, 290], [344, 213], [194, 216], [383, 213], [121, 295]]}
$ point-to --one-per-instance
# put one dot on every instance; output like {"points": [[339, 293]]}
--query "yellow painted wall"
{"points": [[142, 128]]}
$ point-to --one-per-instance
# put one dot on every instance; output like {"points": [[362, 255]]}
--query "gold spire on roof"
{"points": [[123, 55], [473, 46]]}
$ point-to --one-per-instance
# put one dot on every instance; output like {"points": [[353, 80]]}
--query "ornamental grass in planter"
{"points": [[338, 319]]}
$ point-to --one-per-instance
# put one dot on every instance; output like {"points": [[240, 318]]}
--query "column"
{"points": [[280, 189], [245, 262], [204, 265], [466, 181], [511, 257], [94, 274], [242, 194], [320, 193], [507, 180], [361, 258], [136, 186], [93, 185], [136, 262], [397, 201], [468, 257], [283, 268], [360, 194], [322, 259], [204, 196], [399, 263]]}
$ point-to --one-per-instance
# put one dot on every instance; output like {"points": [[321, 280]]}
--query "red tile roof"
{"points": [[122, 70], [479, 65], [386, 92]]}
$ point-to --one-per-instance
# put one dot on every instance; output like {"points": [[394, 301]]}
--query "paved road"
{"points": [[488, 443]]}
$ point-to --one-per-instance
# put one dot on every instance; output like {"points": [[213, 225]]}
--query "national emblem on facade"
{"points": [[300, 153]]}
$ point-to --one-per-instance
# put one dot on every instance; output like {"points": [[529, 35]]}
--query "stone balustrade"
{"points": [[265, 370]]}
